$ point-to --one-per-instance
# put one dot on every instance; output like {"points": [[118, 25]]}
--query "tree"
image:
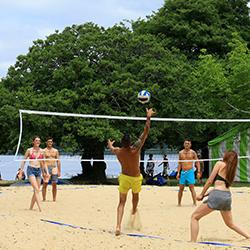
{"points": [[196, 24], [238, 71], [86, 69], [89, 69]]}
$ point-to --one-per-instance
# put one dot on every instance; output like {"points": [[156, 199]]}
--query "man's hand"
{"points": [[178, 176], [110, 143], [150, 112], [46, 177], [198, 175]]}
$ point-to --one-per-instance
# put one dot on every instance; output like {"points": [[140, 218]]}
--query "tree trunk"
{"points": [[99, 167], [96, 171], [142, 170], [87, 168]]}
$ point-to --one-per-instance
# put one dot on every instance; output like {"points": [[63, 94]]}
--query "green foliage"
{"points": [[187, 55], [238, 68], [197, 24]]}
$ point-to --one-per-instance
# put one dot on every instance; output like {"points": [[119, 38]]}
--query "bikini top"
{"points": [[33, 156], [220, 178]]}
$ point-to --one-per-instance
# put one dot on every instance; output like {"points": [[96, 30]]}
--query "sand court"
{"points": [[85, 218]]}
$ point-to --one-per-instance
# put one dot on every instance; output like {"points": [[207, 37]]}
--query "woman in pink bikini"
{"points": [[36, 162]]}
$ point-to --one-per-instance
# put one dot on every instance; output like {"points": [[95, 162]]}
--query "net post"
{"points": [[20, 133]]}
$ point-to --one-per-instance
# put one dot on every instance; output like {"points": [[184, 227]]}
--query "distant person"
{"points": [[130, 178], [150, 166], [185, 171], [220, 197], [53, 164], [165, 166], [0, 177], [36, 163]]}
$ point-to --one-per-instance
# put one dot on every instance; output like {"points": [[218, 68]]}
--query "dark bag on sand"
{"points": [[157, 180], [20, 175]]}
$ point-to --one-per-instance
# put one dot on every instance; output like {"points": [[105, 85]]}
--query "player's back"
{"points": [[129, 159]]}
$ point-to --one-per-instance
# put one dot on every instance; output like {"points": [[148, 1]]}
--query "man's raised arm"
{"points": [[111, 147], [144, 135]]}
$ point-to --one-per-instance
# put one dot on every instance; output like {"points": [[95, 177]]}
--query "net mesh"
{"points": [[104, 126]]}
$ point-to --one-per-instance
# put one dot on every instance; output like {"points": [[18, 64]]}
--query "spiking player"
{"points": [[130, 178]]}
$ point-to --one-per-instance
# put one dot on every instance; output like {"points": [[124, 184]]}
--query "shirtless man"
{"points": [[130, 178], [186, 177], [53, 164]]}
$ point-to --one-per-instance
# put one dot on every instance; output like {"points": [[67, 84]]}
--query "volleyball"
{"points": [[143, 96]]}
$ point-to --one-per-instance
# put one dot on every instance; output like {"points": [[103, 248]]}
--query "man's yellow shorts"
{"points": [[126, 182]]}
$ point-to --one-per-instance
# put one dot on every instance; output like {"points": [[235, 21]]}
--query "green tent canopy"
{"points": [[237, 139]]}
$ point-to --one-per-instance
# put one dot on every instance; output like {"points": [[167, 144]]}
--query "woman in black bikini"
{"points": [[220, 197]]}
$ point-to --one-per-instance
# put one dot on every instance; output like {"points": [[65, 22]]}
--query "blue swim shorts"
{"points": [[187, 177]]}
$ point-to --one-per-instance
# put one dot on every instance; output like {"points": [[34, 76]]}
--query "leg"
{"points": [[201, 211], [191, 188], [135, 200], [54, 190], [120, 210], [135, 222], [181, 188], [228, 219], [35, 183], [44, 190], [33, 200]]}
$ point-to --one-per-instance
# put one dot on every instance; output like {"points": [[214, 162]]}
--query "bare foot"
{"points": [[31, 209], [117, 232]]}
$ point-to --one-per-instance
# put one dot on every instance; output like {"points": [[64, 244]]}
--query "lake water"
{"points": [[71, 165]]}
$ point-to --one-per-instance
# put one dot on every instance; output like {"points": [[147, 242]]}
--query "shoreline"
{"points": [[109, 181]]}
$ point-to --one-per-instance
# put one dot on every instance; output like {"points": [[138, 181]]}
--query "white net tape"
{"points": [[21, 111]]}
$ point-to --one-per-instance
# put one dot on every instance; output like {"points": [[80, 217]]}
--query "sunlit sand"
{"points": [[85, 218]]}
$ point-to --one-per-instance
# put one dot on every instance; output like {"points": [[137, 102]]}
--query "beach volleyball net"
{"points": [[69, 131]]}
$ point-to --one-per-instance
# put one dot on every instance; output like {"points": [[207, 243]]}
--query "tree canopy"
{"points": [[192, 56], [196, 24]]}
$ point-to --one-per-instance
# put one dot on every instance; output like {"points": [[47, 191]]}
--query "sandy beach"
{"points": [[91, 210]]}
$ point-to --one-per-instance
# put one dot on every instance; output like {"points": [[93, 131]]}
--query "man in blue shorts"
{"points": [[185, 172]]}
